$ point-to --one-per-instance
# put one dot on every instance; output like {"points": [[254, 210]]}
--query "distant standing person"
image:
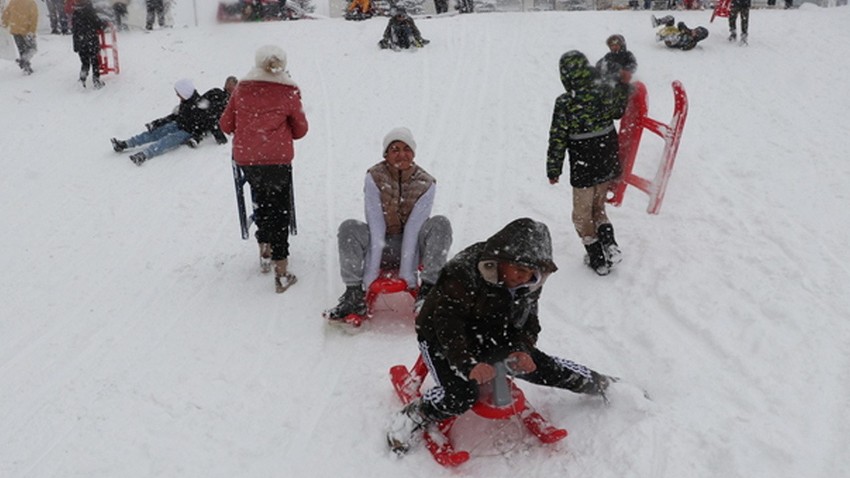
{"points": [[442, 6], [739, 7], [85, 25], [619, 63], [583, 124], [155, 10], [58, 17], [119, 11], [21, 17], [265, 115]]}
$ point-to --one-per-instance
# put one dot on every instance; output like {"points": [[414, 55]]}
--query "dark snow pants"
{"points": [[454, 393], [271, 188], [745, 18]]}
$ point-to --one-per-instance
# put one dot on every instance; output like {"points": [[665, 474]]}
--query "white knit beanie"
{"points": [[185, 88], [400, 134]]}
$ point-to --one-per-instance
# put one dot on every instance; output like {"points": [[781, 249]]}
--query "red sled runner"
{"points": [[632, 124], [106, 46], [721, 9], [387, 284], [499, 400]]}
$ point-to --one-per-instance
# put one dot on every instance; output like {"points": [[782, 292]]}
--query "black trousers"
{"points": [[454, 393], [271, 188], [88, 61]]}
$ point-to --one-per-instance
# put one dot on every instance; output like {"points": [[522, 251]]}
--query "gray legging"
{"points": [[434, 242]]}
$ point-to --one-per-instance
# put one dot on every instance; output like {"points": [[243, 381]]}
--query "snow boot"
{"points": [[733, 36], [404, 430], [97, 83], [595, 258], [282, 278], [744, 39], [118, 145], [420, 296], [138, 158], [265, 257], [352, 301], [605, 233]]}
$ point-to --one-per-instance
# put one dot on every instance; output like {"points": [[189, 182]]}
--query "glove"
{"points": [[150, 126], [221, 140], [192, 143]]}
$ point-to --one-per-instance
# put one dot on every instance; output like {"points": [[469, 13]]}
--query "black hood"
{"points": [[523, 241]]}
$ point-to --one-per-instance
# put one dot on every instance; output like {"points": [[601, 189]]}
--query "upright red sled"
{"points": [[721, 9], [632, 124], [106, 46], [504, 402]]}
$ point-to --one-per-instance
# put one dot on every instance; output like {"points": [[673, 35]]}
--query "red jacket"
{"points": [[264, 118]]}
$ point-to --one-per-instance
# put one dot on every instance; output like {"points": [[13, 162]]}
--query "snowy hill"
{"points": [[139, 339]]}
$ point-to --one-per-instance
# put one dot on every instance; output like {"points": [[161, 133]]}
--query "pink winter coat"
{"points": [[264, 117]]}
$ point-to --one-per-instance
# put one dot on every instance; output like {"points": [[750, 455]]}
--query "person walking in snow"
{"points": [[85, 25], [483, 310], [742, 8], [119, 11], [399, 232], [187, 125], [265, 115], [155, 10], [57, 16], [619, 64], [583, 124], [401, 32], [21, 18], [677, 35]]}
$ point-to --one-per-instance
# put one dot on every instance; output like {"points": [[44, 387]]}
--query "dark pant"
{"points": [[271, 188], [442, 6], [89, 61], [745, 19], [155, 8], [454, 394]]}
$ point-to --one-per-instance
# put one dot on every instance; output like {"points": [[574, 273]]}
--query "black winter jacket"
{"points": [[469, 316], [85, 25], [192, 116]]}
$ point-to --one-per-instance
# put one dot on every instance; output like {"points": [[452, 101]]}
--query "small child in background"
{"points": [[619, 63], [85, 25]]}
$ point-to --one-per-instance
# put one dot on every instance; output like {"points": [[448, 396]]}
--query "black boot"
{"points": [[596, 258], [118, 145], [352, 301], [605, 233]]}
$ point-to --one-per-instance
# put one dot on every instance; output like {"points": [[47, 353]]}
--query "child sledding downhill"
{"points": [[401, 32], [677, 35]]}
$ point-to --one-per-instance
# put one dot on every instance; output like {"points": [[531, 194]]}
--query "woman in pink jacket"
{"points": [[265, 115]]}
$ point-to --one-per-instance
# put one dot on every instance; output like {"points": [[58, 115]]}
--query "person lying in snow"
{"points": [[677, 35]]}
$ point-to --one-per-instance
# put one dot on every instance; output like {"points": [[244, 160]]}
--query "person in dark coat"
{"points": [[619, 64], [401, 32], [483, 310], [583, 123], [217, 99], [187, 125], [84, 27]]}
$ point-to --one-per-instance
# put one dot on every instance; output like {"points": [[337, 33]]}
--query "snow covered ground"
{"points": [[139, 339]]}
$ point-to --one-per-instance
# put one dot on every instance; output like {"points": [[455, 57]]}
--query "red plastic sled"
{"points": [[106, 46], [387, 283], [407, 384], [632, 124], [721, 9]]}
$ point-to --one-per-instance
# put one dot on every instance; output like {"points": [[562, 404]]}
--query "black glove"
{"points": [[192, 143], [150, 126], [221, 139]]}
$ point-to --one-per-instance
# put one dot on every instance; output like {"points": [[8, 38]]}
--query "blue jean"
{"points": [[164, 139]]}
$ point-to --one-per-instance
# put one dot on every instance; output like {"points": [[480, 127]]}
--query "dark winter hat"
{"points": [[185, 88], [399, 134], [523, 241], [616, 40]]}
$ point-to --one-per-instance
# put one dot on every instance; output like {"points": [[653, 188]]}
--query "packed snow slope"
{"points": [[138, 338]]}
